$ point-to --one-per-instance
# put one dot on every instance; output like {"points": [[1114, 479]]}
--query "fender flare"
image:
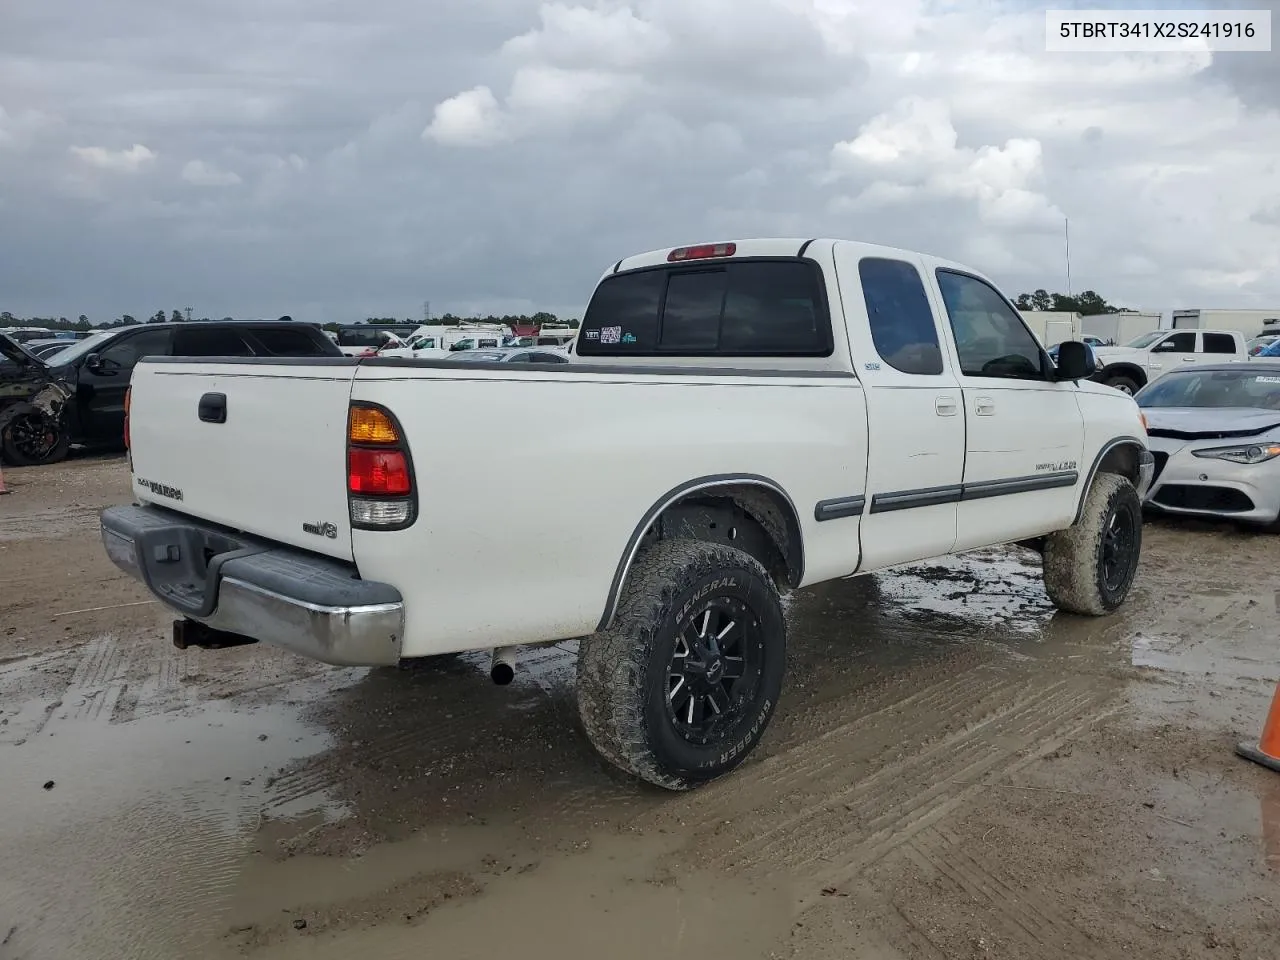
{"points": [[678, 493], [1113, 444]]}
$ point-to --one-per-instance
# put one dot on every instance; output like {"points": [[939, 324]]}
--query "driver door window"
{"points": [[1174, 350], [991, 339], [123, 355]]}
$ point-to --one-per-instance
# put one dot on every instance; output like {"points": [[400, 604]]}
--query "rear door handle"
{"points": [[946, 406], [213, 408], [1188, 359], [984, 406]]}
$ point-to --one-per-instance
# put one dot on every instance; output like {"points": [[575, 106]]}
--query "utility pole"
{"points": [[188, 309], [1066, 238], [426, 311]]}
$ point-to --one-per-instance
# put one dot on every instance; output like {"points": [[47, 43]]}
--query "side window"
{"points": [[1184, 342], [291, 342], [547, 358], [127, 351], [206, 342], [1219, 343], [902, 327], [991, 338]]}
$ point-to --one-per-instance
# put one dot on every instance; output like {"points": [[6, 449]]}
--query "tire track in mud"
{"points": [[1017, 913], [925, 789]]}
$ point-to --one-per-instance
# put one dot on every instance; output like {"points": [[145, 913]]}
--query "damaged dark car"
{"points": [[79, 396]]}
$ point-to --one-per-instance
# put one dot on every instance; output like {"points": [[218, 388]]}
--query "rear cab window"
{"points": [[760, 306], [206, 342], [292, 342]]}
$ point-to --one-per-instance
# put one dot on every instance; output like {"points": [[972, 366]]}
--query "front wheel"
{"points": [[681, 686], [29, 437], [1090, 567], [1123, 384]]}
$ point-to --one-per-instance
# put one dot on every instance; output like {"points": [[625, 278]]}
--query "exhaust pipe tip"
{"points": [[502, 666]]}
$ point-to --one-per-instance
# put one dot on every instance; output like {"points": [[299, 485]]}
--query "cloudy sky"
{"points": [[334, 160]]}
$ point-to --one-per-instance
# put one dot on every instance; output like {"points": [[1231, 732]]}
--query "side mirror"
{"points": [[1075, 361], [93, 363]]}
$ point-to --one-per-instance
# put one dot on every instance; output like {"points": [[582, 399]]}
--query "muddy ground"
{"points": [[956, 771]]}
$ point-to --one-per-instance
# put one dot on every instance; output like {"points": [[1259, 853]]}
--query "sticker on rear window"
{"points": [[1267, 379], [610, 334]]}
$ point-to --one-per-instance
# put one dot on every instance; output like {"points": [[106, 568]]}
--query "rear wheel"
{"points": [[680, 688], [29, 437], [1090, 567]]}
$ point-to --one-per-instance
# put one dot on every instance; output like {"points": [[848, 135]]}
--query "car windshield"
{"points": [[80, 348], [1259, 389], [1146, 339], [480, 356]]}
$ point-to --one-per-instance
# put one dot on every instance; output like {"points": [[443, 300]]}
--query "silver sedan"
{"points": [[1215, 435]]}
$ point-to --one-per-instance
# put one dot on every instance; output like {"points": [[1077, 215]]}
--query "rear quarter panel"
{"points": [[606, 448]]}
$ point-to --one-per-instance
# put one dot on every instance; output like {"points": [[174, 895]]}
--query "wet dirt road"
{"points": [[955, 771]]}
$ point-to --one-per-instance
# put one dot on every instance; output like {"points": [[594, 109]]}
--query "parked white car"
{"points": [[1131, 367], [739, 429], [1215, 435]]}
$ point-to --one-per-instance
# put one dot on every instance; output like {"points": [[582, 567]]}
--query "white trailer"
{"points": [[1052, 326], [1251, 323], [1122, 327]]}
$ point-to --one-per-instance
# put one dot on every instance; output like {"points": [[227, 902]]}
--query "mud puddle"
{"points": [[955, 771]]}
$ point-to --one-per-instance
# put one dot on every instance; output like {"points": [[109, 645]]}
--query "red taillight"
{"points": [[704, 251], [128, 395], [378, 472], [380, 490]]}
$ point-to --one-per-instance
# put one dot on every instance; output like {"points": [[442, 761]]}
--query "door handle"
{"points": [[213, 408], [946, 406], [1188, 359], [984, 406]]}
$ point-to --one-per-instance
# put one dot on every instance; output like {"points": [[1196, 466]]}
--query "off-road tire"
{"points": [[1074, 575], [9, 451], [1122, 383], [623, 670]]}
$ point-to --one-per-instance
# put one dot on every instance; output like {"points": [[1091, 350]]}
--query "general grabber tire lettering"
{"points": [[680, 688], [1089, 568]]}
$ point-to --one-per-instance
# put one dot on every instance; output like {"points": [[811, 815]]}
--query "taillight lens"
{"points": [[128, 396], [380, 488], [378, 472]]}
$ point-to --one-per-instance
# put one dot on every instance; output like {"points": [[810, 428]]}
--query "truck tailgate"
{"points": [[257, 447]]}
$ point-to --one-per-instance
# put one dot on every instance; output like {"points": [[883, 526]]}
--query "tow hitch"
{"points": [[193, 633]]}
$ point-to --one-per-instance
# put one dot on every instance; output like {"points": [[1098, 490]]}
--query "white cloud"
{"points": [[201, 173], [117, 161], [912, 152], [469, 119]]}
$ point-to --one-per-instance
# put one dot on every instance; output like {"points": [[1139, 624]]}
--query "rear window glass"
{"points": [[217, 342], [740, 308], [900, 317], [1219, 343], [293, 342], [360, 337]]}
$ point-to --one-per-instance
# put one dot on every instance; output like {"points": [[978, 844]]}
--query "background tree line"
{"points": [[1087, 304]]}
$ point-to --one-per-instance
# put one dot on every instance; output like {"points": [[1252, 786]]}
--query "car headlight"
{"points": [[1247, 453]]}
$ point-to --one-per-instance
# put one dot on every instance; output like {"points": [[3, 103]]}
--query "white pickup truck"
{"points": [[1132, 366], [751, 417]]}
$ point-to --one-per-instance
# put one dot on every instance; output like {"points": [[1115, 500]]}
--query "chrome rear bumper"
{"points": [[311, 605]]}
